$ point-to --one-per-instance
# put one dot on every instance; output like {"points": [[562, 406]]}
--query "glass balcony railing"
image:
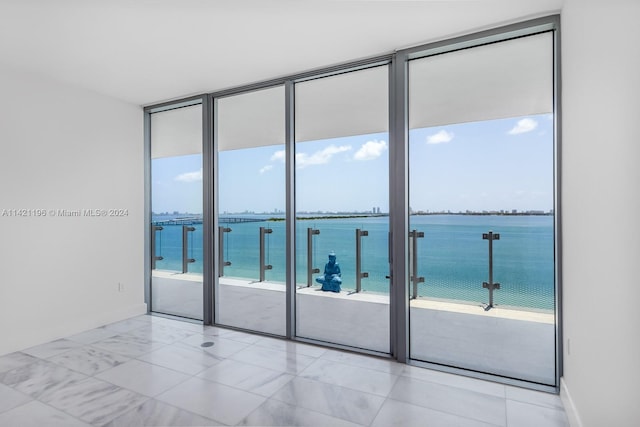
{"points": [[450, 259], [176, 245]]}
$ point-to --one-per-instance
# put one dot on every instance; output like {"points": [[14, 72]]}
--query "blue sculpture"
{"points": [[332, 278]]}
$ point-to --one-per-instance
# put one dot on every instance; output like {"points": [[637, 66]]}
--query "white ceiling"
{"points": [[147, 51]]}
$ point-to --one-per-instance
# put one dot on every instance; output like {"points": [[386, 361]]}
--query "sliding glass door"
{"points": [[481, 228]]}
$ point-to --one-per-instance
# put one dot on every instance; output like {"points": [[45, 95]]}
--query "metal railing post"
{"points": [[414, 235], [263, 266], [185, 240], [310, 269], [490, 236], [155, 258], [221, 262], [359, 274]]}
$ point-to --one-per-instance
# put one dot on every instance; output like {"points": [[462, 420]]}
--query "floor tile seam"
{"points": [[120, 336], [257, 344], [229, 386], [361, 366], [109, 419], [135, 408], [447, 413], [166, 367], [373, 420], [371, 395], [231, 357], [47, 361], [129, 335], [275, 371], [163, 329], [156, 316], [285, 352], [216, 421], [22, 354], [123, 331], [70, 338], [556, 408], [242, 389], [143, 394], [79, 345], [145, 398], [458, 387], [506, 410], [180, 328], [560, 405], [168, 342], [64, 411], [159, 366], [348, 365], [188, 411], [225, 332], [347, 387], [129, 358], [260, 336], [119, 387], [21, 367], [333, 385], [393, 385], [31, 399], [194, 348], [306, 409]]}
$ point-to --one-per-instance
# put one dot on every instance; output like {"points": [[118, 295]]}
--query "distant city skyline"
{"points": [[368, 213], [495, 165]]}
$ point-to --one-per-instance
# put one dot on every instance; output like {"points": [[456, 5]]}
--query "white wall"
{"points": [[601, 201], [65, 148]]}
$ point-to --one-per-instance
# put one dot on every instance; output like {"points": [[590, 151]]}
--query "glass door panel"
{"points": [[176, 204], [342, 222], [481, 149], [251, 202]]}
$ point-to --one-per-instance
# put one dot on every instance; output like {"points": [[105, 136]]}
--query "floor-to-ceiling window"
{"points": [[176, 212], [251, 201], [481, 150], [342, 209], [478, 246]]}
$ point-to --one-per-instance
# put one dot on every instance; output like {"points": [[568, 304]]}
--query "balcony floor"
{"points": [[152, 371]]}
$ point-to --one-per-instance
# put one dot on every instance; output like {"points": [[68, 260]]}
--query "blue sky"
{"points": [[491, 165]]}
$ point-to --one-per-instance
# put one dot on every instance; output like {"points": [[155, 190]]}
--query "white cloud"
{"points": [[190, 176], [441, 137], [370, 150], [265, 169], [278, 156], [523, 126], [319, 157]]}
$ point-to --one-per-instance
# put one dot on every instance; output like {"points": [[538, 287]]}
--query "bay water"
{"points": [[452, 256]]}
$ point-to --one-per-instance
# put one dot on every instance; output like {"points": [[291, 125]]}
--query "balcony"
{"points": [[504, 341], [452, 327]]}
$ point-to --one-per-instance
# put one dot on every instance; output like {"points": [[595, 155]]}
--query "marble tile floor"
{"points": [[154, 371]]}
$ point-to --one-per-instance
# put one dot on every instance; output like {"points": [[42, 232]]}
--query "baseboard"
{"points": [[126, 312], [569, 406]]}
